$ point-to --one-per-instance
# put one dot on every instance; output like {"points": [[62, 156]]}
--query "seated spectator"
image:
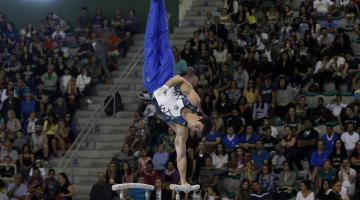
{"points": [[13, 125], [8, 170], [338, 154], [220, 157], [350, 137], [126, 173], [50, 129], [286, 185], [212, 139], [349, 117], [322, 7], [17, 188], [244, 191], [159, 191], [336, 106], [60, 109], [248, 139], [27, 106], [209, 175], [191, 77], [39, 143], [260, 156], [83, 81], [288, 142], [49, 80], [9, 151], [329, 138], [30, 124], [61, 139], [277, 160], [113, 174], [305, 142], [35, 185], [101, 190], [257, 193], [305, 192], [347, 176], [318, 158], [284, 95], [236, 121], [250, 172], [125, 155], [260, 110], [319, 114], [223, 106], [233, 93], [19, 141], [67, 190], [160, 159], [38, 165], [355, 157], [251, 92], [268, 140], [143, 160], [336, 189], [324, 190], [266, 179], [326, 173], [169, 176], [26, 159], [230, 140], [292, 120], [149, 174]]}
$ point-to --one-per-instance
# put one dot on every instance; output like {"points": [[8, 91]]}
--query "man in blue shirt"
{"points": [[329, 138], [230, 141], [330, 24], [260, 156]]}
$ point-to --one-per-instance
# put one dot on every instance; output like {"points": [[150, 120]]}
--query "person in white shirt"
{"points": [[350, 138], [305, 192], [336, 106], [58, 35], [220, 157], [64, 80], [83, 80], [339, 68], [347, 176], [322, 7]]}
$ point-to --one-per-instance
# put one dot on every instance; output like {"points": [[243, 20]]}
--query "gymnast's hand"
{"points": [[163, 90]]}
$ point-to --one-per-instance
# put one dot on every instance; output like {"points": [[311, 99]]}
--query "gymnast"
{"points": [[175, 99]]}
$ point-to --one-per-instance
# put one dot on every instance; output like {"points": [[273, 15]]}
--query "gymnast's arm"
{"points": [[185, 87]]}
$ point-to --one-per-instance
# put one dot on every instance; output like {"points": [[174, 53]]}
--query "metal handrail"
{"points": [[91, 123]]}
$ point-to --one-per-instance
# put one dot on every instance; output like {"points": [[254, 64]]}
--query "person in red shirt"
{"points": [[149, 174]]}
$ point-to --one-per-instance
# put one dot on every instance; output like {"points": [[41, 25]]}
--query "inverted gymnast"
{"points": [[175, 99]]}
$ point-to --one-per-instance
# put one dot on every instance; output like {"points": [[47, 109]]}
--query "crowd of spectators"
{"points": [[254, 64], [47, 71]]}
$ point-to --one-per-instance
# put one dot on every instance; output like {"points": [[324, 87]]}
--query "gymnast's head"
{"points": [[198, 122]]}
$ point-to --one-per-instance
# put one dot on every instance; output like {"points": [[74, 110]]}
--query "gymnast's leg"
{"points": [[151, 58]]}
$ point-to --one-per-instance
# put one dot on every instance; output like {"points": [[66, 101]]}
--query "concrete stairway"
{"points": [[98, 150]]}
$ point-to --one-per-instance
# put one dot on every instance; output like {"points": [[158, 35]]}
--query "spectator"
{"points": [[13, 124], [83, 83], [18, 189], [355, 157], [149, 174], [38, 165], [126, 173], [322, 7], [208, 176], [220, 157], [268, 140], [260, 110], [159, 193], [334, 194], [305, 192], [169, 176], [112, 174], [338, 154], [143, 160], [326, 173], [324, 190], [212, 139], [26, 159], [35, 185], [350, 137], [67, 190], [9, 151], [336, 106], [257, 193], [39, 143], [191, 77], [3, 195], [244, 192], [260, 157], [329, 138], [101, 190], [286, 185], [51, 186], [230, 141], [318, 158], [347, 176], [8, 170], [248, 139], [266, 179], [160, 159], [180, 65], [305, 142]]}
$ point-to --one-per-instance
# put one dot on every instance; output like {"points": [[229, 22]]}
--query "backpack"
{"points": [[109, 110]]}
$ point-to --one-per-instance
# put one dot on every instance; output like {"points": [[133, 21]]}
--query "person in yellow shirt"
{"points": [[50, 129], [251, 19]]}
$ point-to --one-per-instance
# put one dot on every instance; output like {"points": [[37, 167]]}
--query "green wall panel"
{"points": [[22, 11]]}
